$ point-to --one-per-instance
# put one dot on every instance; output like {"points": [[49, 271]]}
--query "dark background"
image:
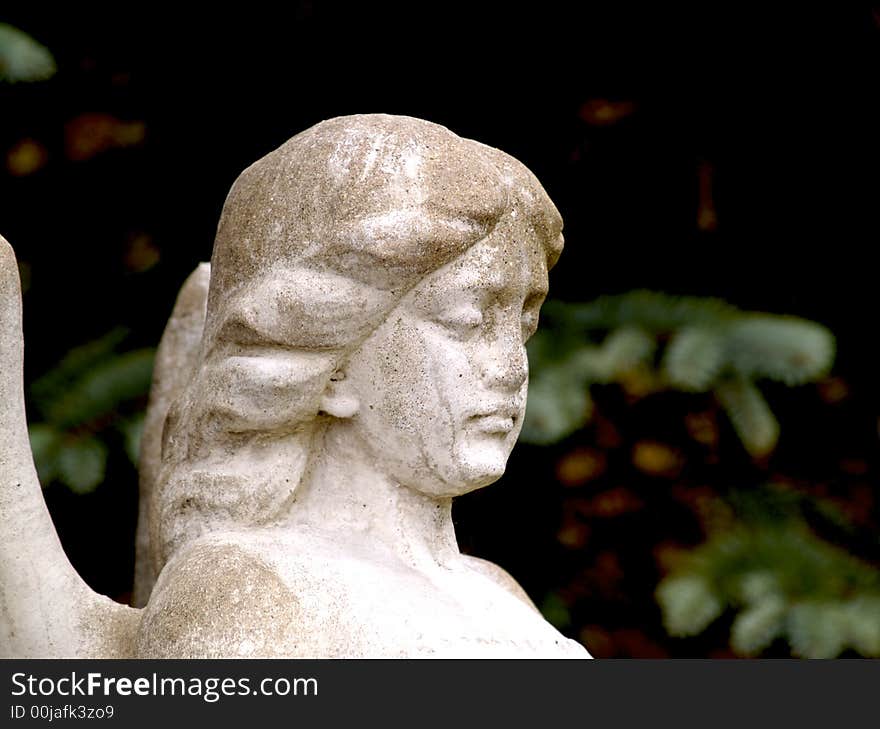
{"points": [[781, 108]]}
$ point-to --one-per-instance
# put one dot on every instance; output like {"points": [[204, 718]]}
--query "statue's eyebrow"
{"points": [[399, 222]]}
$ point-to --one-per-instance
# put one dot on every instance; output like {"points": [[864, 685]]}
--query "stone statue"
{"points": [[352, 359]]}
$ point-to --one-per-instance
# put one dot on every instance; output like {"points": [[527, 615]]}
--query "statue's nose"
{"points": [[506, 365]]}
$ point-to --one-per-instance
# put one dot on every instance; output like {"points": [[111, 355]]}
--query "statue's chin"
{"points": [[480, 464], [473, 466]]}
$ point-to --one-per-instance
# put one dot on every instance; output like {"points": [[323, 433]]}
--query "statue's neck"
{"points": [[344, 492]]}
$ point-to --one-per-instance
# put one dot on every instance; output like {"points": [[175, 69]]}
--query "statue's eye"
{"points": [[462, 322]]}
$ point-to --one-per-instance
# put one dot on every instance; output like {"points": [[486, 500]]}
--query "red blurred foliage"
{"points": [[88, 135], [603, 112]]}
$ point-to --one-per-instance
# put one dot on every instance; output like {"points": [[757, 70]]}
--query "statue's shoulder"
{"points": [[498, 575], [224, 597]]}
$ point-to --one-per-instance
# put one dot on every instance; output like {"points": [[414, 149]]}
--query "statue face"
{"points": [[442, 383]]}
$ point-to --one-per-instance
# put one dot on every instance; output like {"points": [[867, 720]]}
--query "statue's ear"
{"points": [[338, 399]]}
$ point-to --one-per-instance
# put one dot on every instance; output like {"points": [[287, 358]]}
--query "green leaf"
{"points": [[622, 351], [758, 586], [22, 58], [44, 446], [100, 391], [548, 348], [756, 627], [132, 430], [750, 415], [689, 604], [817, 629], [81, 464], [693, 358], [76, 363], [863, 616], [558, 404], [791, 350], [554, 609]]}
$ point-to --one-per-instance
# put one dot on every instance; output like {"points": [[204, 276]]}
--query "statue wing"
{"points": [[46, 609], [176, 362]]}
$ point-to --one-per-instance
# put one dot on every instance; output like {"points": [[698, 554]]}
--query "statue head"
{"points": [[375, 275]]}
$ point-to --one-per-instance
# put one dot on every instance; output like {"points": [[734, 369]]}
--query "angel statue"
{"points": [[351, 360]]}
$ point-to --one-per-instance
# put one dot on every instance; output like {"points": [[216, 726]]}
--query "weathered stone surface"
{"points": [[46, 610], [361, 363], [175, 361]]}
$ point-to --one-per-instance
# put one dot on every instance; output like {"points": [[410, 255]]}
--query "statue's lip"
{"points": [[495, 423], [501, 419]]}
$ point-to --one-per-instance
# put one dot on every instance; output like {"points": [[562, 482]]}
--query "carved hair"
{"points": [[317, 243]]}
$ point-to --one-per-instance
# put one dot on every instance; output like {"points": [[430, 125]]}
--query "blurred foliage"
{"points": [[88, 135], [780, 580], [762, 573], [91, 402], [665, 342], [22, 58]]}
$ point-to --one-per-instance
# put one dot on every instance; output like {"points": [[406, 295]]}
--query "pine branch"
{"points": [[22, 58], [76, 363], [694, 358], [711, 345], [101, 390], [83, 400], [783, 582], [750, 415]]}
